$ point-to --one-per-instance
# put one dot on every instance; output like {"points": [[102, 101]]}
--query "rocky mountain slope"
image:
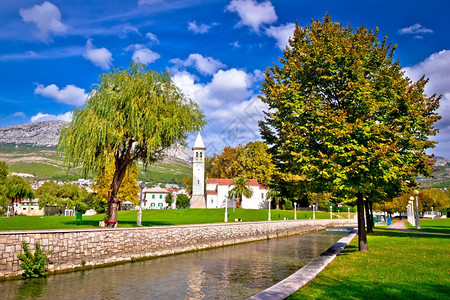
{"points": [[43, 134], [46, 134]]}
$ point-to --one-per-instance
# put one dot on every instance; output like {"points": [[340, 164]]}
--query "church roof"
{"points": [[222, 181], [199, 142]]}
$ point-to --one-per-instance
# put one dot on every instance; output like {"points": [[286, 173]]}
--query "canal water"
{"points": [[232, 272]]}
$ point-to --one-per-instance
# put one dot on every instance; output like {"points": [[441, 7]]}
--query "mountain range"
{"points": [[46, 134]]}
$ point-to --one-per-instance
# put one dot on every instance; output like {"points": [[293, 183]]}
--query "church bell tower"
{"points": [[198, 174]]}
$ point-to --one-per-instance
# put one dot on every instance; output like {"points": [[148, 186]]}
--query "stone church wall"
{"points": [[93, 247]]}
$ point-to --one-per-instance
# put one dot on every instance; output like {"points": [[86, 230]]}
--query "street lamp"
{"points": [[295, 210], [226, 210], [416, 193], [139, 218], [270, 199], [411, 204], [314, 211]]}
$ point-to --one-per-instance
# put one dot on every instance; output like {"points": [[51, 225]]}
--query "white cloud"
{"points": [[437, 68], [40, 117], [252, 13], [101, 57], [235, 44], [152, 37], [204, 65], [281, 34], [415, 29], [142, 54], [70, 94], [229, 103], [18, 114], [224, 88], [47, 19], [202, 28], [129, 29]]}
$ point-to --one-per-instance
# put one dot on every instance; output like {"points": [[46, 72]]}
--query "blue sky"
{"points": [[51, 52]]}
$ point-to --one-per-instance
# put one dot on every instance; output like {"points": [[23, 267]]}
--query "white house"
{"points": [[217, 194], [154, 198]]}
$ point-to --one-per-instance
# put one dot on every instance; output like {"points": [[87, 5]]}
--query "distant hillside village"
{"points": [[216, 193]]}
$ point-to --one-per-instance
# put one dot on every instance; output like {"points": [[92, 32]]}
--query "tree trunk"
{"points": [[277, 206], [12, 212], [113, 200], [362, 238], [371, 211], [368, 219]]}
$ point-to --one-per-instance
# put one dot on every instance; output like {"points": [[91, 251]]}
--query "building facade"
{"points": [[217, 194], [154, 198]]}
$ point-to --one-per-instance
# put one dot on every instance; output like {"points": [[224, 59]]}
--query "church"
{"points": [[213, 192]]}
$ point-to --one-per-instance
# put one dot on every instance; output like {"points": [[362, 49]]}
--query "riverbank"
{"points": [[159, 217], [400, 265], [94, 247]]}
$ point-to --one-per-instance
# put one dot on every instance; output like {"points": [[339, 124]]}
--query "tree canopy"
{"points": [[241, 188], [16, 188], [132, 114], [343, 116], [250, 161], [62, 195]]}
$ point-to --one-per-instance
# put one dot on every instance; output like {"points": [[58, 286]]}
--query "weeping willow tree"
{"points": [[130, 115]]}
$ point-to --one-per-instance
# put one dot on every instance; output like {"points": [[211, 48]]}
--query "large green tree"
{"points": [[343, 116], [132, 114], [16, 188], [61, 196]]}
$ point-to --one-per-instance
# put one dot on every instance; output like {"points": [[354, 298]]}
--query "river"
{"points": [[232, 272]]}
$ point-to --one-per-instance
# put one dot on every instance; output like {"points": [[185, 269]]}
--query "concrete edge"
{"points": [[296, 281], [72, 230]]}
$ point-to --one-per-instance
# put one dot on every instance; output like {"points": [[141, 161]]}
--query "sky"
{"points": [[52, 52]]}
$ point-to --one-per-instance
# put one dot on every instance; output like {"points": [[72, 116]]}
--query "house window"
{"points": [[160, 196], [153, 196], [212, 200], [24, 208], [152, 204], [262, 195]]}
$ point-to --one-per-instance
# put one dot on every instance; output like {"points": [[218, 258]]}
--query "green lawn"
{"points": [[399, 265], [154, 217], [438, 225]]}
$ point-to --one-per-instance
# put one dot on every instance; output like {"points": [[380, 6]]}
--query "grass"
{"points": [[438, 225], [154, 217], [399, 265]]}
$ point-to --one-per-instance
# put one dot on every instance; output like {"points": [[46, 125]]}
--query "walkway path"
{"points": [[400, 225]]}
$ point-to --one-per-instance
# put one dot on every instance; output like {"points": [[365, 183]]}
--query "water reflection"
{"points": [[233, 272]]}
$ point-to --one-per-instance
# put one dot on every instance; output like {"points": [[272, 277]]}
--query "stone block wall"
{"points": [[103, 246]]}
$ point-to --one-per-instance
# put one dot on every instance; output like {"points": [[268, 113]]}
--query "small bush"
{"points": [[288, 204], [34, 265]]}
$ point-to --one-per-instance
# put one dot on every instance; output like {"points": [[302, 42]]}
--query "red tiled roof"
{"points": [[211, 192], [222, 181]]}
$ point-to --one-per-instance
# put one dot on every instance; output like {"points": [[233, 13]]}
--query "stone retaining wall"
{"points": [[103, 246]]}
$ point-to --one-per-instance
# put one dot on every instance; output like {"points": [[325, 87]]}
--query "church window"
{"points": [[198, 181], [262, 195], [200, 155], [196, 154]]}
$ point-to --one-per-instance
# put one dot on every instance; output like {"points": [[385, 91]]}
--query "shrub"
{"points": [[34, 265], [288, 204]]}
